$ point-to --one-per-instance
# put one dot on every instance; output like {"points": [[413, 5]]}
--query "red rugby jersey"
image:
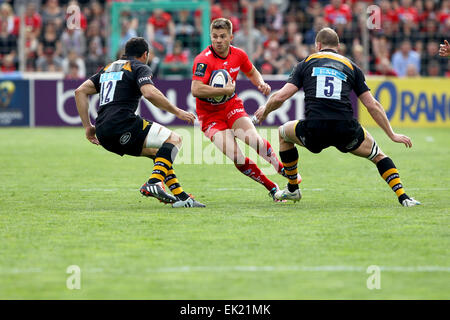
{"points": [[208, 61]]}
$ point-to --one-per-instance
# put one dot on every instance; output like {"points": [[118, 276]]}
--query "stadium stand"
{"points": [[406, 44]]}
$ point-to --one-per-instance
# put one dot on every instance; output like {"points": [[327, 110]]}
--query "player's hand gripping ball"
{"points": [[219, 79]]}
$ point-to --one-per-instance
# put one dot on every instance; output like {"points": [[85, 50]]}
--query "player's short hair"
{"points": [[135, 47], [327, 37], [222, 23]]}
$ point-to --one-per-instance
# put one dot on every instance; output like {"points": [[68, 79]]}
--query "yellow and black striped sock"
{"points": [[389, 173], [163, 163], [289, 158], [174, 186]]}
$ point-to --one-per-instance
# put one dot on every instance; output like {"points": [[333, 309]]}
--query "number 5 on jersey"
{"points": [[329, 83]]}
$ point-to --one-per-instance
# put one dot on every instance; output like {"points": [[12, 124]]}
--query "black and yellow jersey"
{"points": [[119, 86], [328, 78]]}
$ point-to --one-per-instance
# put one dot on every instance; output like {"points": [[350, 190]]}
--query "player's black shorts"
{"points": [[316, 135], [123, 135]]}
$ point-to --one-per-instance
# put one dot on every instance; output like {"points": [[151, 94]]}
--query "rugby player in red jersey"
{"points": [[224, 122]]}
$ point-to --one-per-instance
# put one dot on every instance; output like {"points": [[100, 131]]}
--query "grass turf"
{"points": [[66, 202]]}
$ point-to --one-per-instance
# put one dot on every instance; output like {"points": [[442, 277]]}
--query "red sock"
{"points": [[251, 170], [269, 155]]}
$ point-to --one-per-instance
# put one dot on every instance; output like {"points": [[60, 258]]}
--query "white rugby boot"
{"points": [[285, 194], [410, 202], [188, 203]]}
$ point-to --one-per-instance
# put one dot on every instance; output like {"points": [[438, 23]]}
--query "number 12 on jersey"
{"points": [[329, 83], [108, 83]]}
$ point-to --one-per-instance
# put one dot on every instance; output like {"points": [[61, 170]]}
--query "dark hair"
{"points": [[135, 47], [328, 37]]}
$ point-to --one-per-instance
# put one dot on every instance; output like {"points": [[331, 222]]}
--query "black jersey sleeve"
{"points": [[96, 80], [143, 75], [296, 76], [360, 82]]}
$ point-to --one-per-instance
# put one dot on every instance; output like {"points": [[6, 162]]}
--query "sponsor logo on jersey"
{"points": [[235, 69], [210, 126], [144, 79], [303, 140], [351, 144], [318, 71], [145, 123], [200, 69], [111, 76], [233, 112], [125, 138]]}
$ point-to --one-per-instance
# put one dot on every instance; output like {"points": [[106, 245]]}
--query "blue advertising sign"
{"points": [[14, 103]]}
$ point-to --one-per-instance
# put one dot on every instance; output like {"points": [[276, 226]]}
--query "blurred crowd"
{"points": [[50, 46], [405, 43]]}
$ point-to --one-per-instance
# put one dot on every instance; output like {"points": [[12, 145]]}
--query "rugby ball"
{"points": [[219, 79]]}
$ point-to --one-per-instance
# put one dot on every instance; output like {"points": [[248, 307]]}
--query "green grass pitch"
{"points": [[66, 202]]}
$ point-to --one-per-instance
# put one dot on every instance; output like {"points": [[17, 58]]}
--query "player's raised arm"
{"points": [[82, 94], [152, 94], [201, 90], [255, 77], [377, 112], [275, 101]]}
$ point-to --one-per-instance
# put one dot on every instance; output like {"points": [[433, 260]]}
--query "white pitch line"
{"points": [[223, 269], [20, 271], [218, 269], [107, 190], [241, 189]]}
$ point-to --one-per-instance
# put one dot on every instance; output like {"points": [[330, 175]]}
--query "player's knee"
{"points": [[175, 139], [158, 135], [379, 157], [375, 152], [281, 133], [279, 130], [179, 140]]}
